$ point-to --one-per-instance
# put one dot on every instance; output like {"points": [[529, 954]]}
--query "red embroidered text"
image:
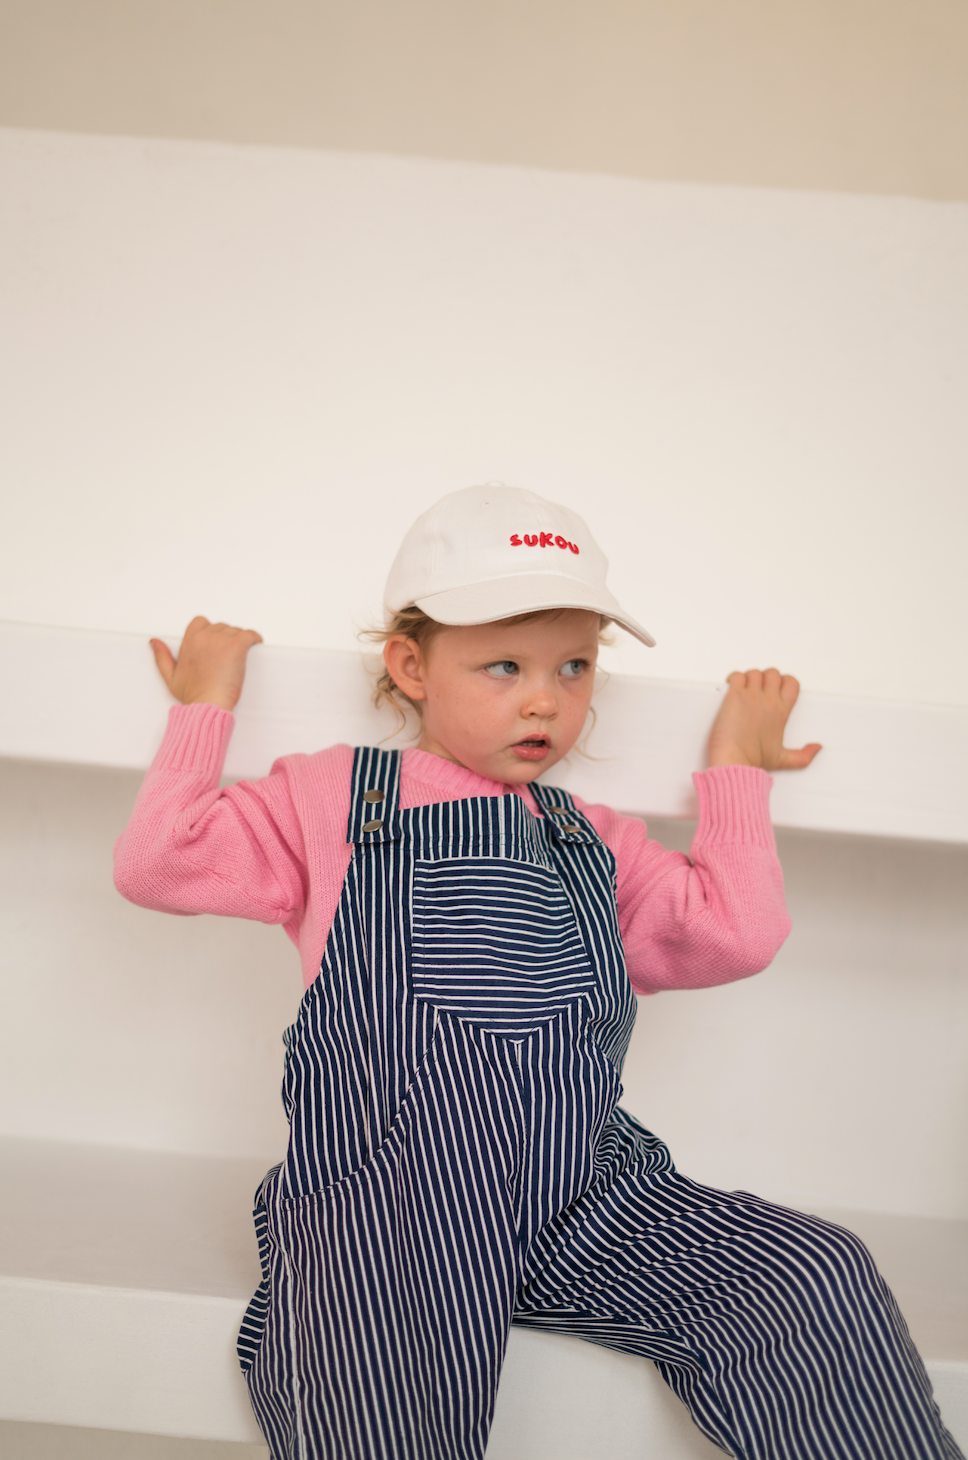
{"points": [[544, 539]]}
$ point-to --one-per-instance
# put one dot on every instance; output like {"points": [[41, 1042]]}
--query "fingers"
{"points": [[243, 639], [164, 659], [798, 760], [222, 631], [229, 631], [752, 718], [764, 679], [771, 680], [757, 679]]}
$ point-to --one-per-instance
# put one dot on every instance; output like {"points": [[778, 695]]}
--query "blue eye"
{"points": [[503, 669], [573, 668]]}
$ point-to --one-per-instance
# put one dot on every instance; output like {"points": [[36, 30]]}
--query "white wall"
{"points": [[839, 1078], [231, 376]]}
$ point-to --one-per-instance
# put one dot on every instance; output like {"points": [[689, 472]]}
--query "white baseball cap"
{"points": [[492, 552]]}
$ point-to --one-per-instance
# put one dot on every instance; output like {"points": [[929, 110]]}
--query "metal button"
{"points": [[372, 825], [372, 796], [569, 826], [559, 810]]}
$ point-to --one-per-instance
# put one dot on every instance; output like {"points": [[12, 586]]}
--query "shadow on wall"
{"points": [[20, 1441]]}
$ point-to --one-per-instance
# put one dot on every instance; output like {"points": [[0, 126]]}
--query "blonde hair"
{"points": [[414, 624]]}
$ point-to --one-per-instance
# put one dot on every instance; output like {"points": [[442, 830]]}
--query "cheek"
{"points": [[485, 702], [578, 704], [481, 709], [464, 702]]}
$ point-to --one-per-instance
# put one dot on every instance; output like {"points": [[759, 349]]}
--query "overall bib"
{"points": [[458, 1161]]}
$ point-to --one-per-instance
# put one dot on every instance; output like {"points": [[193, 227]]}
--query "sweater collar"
{"points": [[456, 781]]}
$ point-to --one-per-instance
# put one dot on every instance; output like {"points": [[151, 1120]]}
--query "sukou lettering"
{"points": [[544, 539]]}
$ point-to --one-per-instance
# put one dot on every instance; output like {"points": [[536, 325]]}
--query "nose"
{"points": [[541, 703]]}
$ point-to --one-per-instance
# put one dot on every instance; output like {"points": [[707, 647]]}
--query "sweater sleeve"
{"points": [[190, 847], [714, 916]]}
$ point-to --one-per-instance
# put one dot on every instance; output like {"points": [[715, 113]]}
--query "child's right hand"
{"points": [[210, 668]]}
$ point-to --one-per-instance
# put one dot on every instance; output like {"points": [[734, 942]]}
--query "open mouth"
{"points": [[533, 747]]}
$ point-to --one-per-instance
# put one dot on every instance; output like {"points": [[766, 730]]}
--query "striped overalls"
{"points": [[458, 1162]]}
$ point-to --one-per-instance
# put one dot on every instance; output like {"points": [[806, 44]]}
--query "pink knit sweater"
{"points": [[275, 850]]}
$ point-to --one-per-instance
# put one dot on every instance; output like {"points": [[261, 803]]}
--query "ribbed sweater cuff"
{"points": [[734, 806], [196, 740]]}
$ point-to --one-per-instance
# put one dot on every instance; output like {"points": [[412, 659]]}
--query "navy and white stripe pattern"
{"points": [[466, 956], [458, 1161]]}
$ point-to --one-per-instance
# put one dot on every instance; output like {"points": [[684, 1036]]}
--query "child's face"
{"points": [[505, 700]]}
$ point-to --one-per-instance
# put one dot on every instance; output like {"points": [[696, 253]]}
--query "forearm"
{"points": [[190, 847], [717, 915]]}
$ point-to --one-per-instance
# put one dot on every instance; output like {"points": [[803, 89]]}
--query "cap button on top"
{"points": [[372, 795]]}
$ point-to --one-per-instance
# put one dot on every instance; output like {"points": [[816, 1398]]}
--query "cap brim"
{"points": [[487, 603]]}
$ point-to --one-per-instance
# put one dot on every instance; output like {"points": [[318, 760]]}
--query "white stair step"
{"points": [[124, 1275], [886, 769]]}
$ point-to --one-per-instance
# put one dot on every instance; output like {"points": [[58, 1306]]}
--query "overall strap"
{"points": [[374, 795], [566, 822]]}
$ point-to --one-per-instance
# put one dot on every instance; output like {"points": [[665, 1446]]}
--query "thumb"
{"points": [[164, 659], [797, 760]]}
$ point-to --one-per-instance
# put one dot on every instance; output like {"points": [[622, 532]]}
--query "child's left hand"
{"points": [[749, 727]]}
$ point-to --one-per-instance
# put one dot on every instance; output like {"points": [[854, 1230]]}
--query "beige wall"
{"points": [[855, 95]]}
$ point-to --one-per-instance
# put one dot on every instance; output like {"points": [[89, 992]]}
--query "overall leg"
{"points": [[774, 1328], [390, 1294]]}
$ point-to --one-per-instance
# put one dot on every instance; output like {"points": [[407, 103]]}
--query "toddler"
{"points": [[472, 940]]}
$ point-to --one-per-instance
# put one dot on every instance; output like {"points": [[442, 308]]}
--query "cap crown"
{"points": [[488, 534]]}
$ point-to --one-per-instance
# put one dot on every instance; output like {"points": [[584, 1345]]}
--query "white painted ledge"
{"points": [[124, 1276], [886, 769]]}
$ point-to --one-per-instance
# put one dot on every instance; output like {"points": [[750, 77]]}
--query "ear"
{"points": [[404, 660]]}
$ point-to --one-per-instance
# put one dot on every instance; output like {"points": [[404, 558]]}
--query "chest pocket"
{"points": [[495, 942]]}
